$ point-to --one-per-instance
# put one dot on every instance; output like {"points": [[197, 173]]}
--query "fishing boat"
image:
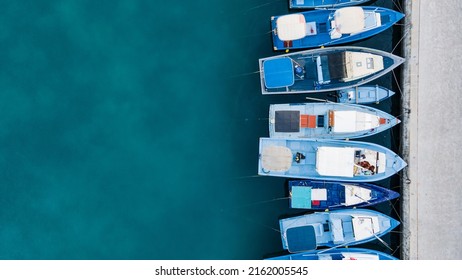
{"points": [[327, 120], [363, 95], [336, 228], [327, 27], [325, 159], [313, 4], [321, 195], [324, 69], [343, 254]]}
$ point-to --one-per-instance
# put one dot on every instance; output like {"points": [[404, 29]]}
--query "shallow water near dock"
{"points": [[129, 130]]}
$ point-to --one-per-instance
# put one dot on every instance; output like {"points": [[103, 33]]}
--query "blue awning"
{"points": [[301, 239], [278, 72], [301, 197]]}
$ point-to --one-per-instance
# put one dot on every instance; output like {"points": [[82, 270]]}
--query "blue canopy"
{"points": [[278, 72], [301, 197], [301, 239]]}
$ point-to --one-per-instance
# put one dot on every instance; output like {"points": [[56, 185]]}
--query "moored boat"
{"points": [[344, 254], [335, 160], [363, 94], [327, 27], [336, 228], [313, 4], [324, 69], [327, 120], [321, 195]]}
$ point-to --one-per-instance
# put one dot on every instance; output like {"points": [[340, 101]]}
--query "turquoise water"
{"points": [[129, 129]]}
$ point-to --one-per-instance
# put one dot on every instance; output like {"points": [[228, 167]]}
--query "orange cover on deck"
{"points": [[308, 121]]}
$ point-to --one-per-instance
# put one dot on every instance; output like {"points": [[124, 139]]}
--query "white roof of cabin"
{"points": [[361, 64], [351, 121], [291, 27], [349, 20], [335, 161]]}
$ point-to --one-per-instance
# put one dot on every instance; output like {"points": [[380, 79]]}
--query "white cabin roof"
{"points": [[349, 20], [351, 121], [335, 161], [291, 27], [361, 64]]}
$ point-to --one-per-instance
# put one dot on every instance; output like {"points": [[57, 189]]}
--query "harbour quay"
{"points": [[431, 136]]}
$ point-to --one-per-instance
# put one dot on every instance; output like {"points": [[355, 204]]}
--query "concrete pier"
{"points": [[432, 130]]}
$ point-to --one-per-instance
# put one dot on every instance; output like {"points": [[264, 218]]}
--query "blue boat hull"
{"points": [[312, 4], [338, 254], [319, 27], [336, 228], [321, 195], [327, 120], [333, 160], [364, 95]]}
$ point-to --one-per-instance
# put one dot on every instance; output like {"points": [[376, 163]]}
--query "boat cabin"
{"points": [[347, 66]]}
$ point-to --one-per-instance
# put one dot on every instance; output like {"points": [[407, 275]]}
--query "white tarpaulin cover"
{"points": [[335, 161], [349, 20], [351, 121], [291, 27]]}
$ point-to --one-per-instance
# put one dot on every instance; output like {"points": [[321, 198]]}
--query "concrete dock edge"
{"points": [[409, 113]]}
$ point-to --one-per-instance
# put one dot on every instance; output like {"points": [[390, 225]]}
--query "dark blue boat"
{"points": [[343, 254], [321, 195], [326, 27]]}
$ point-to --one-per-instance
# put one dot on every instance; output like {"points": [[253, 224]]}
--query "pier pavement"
{"points": [[432, 131]]}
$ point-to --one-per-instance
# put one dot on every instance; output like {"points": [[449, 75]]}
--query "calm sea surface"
{"points": [[129, 130]]}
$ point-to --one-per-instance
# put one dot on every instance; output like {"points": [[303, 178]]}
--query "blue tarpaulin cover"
{"points": [[301, 197], [278, 72], [301, 239]]}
